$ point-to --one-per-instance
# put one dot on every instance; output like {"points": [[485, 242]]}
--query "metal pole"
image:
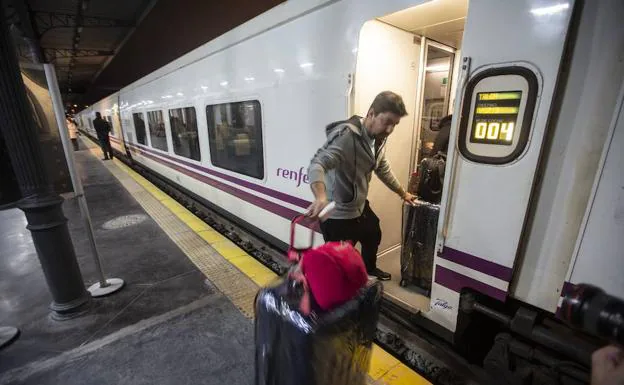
{"points": [[104, 286], [41, 205]]}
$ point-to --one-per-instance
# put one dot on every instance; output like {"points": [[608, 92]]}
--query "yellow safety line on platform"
{"points": [[384, 368]]}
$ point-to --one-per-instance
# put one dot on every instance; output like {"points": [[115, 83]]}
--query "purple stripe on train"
{"points": [[264, 190], [479, 264], [456, 282], [275, 208]]}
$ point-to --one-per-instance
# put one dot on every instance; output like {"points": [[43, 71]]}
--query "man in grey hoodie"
{"points": [[341, 171]]}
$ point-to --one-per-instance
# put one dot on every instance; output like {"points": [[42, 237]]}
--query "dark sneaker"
{"points": [[381, 275]]}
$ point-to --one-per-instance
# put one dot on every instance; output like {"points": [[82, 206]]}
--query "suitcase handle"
{"points": [[293, 224], [329, 208]]}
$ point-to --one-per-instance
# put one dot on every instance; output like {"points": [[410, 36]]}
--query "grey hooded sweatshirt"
{"points": [[345, 164]]}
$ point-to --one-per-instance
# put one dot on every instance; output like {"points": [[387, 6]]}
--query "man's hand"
{"points": [[316, 207], [608, 366], [320, 199], [408, 198]]}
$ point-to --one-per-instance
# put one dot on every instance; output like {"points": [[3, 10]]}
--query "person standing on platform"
{"points": [[73, 133], [341, 171], [102, 128]]}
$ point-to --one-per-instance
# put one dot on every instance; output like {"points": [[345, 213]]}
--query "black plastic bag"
{"points": [[330, 348]]}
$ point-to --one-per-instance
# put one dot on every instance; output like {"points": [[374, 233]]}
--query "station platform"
{"points": [[185, 315]]}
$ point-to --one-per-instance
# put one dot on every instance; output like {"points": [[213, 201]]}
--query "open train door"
{"points": [[414, 53]]}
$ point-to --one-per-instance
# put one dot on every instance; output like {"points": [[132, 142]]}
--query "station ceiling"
{"points": [[100, 46]]}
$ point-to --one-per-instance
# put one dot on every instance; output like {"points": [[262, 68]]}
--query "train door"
{"points": [[436, 92], [389, 59], [412, 53], [122, 129]]}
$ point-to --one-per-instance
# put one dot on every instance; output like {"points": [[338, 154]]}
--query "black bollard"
{"points": [[41, 205]]}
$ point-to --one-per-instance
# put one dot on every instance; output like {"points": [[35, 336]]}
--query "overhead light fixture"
{"points": [[180, 94], [224, 83], [166, 96], [551, 10], [306, 65], [250, 79], [204, 88], [279, 71]]}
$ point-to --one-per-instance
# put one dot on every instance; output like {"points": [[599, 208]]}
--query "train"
{"points": [[533, 192]]}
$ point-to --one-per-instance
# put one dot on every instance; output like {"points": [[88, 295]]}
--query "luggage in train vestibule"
{"points": [[431, 178], [420, 224]]}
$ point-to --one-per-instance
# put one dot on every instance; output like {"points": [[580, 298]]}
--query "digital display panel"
{"points": [[495, 116]]}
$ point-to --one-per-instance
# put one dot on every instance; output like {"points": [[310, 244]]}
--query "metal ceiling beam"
{"points": [[47, 21], [77, 67], [143, 15], [28, 31], [58, 53], [81, 6], [50, 54]]}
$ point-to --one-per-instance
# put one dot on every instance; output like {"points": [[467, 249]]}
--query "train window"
{"points": [[139, 127], [235, 136], [156, 124], [183, 123]]}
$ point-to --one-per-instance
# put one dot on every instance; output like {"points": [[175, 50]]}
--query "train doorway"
{"points": [[413, 52]]}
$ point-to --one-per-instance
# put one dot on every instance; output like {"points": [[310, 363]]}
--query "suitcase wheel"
{"points": [[404, 283]]}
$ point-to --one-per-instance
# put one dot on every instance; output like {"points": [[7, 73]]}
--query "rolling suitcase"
{"points": [[314, 347], [420, 225]]}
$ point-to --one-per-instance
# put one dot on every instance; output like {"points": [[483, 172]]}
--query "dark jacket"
{"points": [[102, 128], [442, 140], [345, 164]]}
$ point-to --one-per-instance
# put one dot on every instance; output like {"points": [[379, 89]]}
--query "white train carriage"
{"points": [[533, 196]]}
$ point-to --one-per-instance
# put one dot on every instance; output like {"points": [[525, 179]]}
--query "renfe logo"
{"points": [[293, 175]]}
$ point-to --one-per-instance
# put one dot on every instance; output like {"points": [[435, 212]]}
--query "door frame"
{"points": [[425, 43]]}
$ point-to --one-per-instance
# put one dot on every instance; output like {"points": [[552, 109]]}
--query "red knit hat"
{"points": [[335, 273]]}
